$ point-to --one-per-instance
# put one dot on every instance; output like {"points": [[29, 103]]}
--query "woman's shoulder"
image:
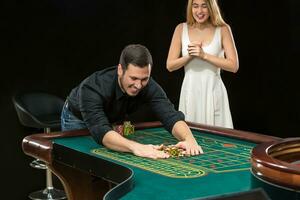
{"points": [[180, 26], [225, 28], [226, 31]]}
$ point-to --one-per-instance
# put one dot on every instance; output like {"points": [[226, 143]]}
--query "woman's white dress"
{"points": [[203, 97]]}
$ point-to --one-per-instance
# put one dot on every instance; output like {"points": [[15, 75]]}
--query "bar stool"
{"points": [[42, 111]]}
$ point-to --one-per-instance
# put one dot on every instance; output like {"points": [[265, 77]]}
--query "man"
{"points": [[107, 96]]}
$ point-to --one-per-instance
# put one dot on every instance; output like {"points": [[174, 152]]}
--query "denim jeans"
{"points": [[69, 122]]}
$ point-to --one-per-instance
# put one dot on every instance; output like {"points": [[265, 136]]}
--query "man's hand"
{"points": [[187, 141], [115, 141], [191, 148], [149, 151]]}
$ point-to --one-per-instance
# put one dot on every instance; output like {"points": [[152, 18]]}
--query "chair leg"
{"points": [[38, 164], [49, 193]]}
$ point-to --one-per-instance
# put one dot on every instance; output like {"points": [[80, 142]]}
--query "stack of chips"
{"points": [[128, 128]]}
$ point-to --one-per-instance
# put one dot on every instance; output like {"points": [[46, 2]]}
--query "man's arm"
{"points": [[187, 141], [115, 141], [172, 120]]}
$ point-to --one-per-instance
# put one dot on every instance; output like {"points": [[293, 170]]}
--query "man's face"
{"points": [[134, 79]]}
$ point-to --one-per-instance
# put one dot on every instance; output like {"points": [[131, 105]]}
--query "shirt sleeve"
{"points": [[91, 105], [162, 106]]}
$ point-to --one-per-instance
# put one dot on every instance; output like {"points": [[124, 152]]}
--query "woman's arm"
{"points": [[174, 60]]}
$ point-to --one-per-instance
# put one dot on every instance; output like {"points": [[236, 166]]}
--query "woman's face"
{"points": [[200, 11]]}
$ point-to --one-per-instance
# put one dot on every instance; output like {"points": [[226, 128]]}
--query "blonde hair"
{"points": [[214, 12]]}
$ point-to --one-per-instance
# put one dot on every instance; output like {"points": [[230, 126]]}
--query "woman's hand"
{"points": [[195, 49]]}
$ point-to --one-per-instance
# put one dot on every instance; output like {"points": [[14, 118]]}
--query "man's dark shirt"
{"points": [[101, 102]]}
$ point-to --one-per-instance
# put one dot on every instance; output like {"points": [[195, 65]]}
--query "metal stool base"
{"points": [[48, 194]]}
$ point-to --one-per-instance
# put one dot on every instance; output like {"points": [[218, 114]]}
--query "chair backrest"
{"points": [[38, 110]]}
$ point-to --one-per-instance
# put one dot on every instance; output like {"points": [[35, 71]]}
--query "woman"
{"points": [[204, 45]]}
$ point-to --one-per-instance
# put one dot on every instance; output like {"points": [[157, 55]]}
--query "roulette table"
{"points": [[88, 170]]}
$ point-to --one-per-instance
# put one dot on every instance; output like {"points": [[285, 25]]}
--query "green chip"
{"points": [[128, 128]]}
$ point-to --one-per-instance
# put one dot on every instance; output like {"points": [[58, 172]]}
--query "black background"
{"points": [[51, 45]]}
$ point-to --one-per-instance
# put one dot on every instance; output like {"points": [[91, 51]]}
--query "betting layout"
{"points": [[221, 155]]}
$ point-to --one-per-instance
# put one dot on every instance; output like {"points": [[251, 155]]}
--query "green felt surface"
{"points": [[222, 169], [220, 155]]}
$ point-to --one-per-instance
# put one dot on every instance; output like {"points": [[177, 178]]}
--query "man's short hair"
{"points": [[137, 55]]}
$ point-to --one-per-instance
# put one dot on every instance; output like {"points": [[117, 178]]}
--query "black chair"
{"points": [[41, 111]]}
